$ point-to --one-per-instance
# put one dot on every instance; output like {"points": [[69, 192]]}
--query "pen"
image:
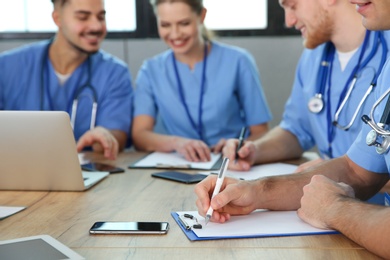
{"points": [[240, 142], [221, 177]]}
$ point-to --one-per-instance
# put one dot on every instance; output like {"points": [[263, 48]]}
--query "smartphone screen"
{"points": [[101, 167], [180, 176], [129, 228]]}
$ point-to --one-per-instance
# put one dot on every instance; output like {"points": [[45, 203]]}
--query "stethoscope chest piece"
{"points": [[371, 138], [384, 148], [316, 103], [381, 147]]}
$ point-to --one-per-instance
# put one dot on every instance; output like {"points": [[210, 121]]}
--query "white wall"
{"points": [[276, 58]]}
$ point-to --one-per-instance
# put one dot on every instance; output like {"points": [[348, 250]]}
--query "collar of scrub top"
{"points": [[198, 127], [352, 78], [76, 93]]}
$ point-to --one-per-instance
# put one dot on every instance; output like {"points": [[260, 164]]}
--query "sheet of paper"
{"points": [[258, 223], [82, 158], [271, 169], [158, 159], [6, 211]]}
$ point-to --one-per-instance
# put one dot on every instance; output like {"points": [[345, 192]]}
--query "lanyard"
{"points": [[198, 127], [353, 77]]}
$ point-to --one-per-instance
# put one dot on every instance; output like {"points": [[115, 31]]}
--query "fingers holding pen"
{"points": [[245, 155], [204, 190], [235, 198]]}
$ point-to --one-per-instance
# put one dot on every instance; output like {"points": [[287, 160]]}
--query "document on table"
{"points": [[260, 223], [258, 171], [175, 161], [6, 211]]}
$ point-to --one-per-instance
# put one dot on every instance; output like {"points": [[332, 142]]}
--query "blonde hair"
{"points": [[196, 6]]}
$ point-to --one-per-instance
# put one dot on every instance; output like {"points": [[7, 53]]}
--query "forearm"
{"points": [[366, 224], [121, 137], [277, 145], [149, 141], [281, 192], [257, 131], [285, 192]]}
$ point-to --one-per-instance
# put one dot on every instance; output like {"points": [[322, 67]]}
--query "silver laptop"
{"points": [[38, 152]]}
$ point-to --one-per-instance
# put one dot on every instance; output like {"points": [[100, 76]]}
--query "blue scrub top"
{"points": [[233, 95], [21, 73], [312, 129], [360, 153]]}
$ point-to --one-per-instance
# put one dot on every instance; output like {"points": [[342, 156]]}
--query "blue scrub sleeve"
{"points": [[360, 153], [365, 156], [115, 108], [295, 117], [144, 100], [251, 95]]}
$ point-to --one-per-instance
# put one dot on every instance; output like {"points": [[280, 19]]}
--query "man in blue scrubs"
{"points": [[324, 195], [50, 75], [331, 32]]}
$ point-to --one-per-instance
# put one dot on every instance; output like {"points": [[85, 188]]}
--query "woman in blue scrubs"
{"points": [[203, 91]]}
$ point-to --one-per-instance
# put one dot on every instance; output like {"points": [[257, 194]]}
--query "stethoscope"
{"points": [[379, 136], [198, 127], [316, 103], [76, 94]]}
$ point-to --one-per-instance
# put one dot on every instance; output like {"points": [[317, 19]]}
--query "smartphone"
{"points": [[100, 167], [103, 227], [180, 176]]}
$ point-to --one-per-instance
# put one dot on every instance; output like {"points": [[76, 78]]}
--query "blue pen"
{"points": [[240, 142]]}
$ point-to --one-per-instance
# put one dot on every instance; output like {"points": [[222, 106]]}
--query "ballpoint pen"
{"points": [[221, 177], [240, 142]]}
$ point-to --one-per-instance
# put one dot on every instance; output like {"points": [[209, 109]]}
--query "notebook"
{"points": [[38, 152], [174, 160]]}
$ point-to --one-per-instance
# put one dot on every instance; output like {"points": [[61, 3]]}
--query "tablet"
{"points": [[180, 176], [43, 247]]}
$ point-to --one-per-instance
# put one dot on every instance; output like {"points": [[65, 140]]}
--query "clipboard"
{"points": [[158, 160], [192, 236]]}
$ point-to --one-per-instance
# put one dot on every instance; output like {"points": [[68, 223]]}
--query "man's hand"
{"points": [[101, 140], [321, 199], [246, 155], [235, 198]]}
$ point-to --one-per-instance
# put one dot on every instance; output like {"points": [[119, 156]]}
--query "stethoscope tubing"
{"points": [[76, 94], [381, 39], [371, 120]]}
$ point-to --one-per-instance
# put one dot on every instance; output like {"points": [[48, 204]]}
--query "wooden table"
{"points": [[136, 196]]}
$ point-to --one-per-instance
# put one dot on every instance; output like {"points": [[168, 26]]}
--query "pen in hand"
{"points": [[240, 142], [221, 177]]}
